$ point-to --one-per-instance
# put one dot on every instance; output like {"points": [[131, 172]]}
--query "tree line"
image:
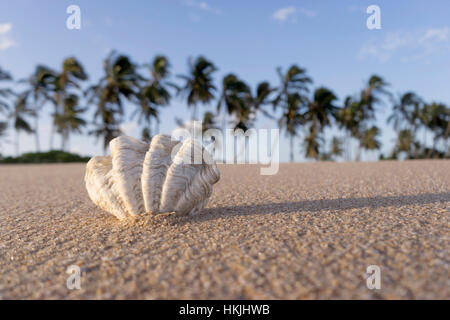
{"points": [[150, 88]]}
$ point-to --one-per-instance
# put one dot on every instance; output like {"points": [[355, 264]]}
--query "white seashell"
{"points": [[165, 176]]}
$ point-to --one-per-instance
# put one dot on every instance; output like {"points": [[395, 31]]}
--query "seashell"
{"points": [[163, 176]]}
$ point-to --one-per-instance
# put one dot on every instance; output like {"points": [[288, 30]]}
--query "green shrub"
{"points": [[54, 156]]}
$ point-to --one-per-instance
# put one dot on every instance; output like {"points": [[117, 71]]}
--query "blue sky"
{"points": [[250, 38]]}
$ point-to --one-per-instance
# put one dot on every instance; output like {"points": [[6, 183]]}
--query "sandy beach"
{"points": [[308, 232]]}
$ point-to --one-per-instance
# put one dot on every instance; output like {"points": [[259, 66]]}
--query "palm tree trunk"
{"points": [[434, 144], [291, 146], [67, 143], [347, 147], [194, 112], [416, 151], [431, 150], [63, 142], [224, 130], [52, 134], [414, 135], [358, 154], [424, 137], [224, 122], [446, 141], [149, 127], [16, 142], [36, 133]]}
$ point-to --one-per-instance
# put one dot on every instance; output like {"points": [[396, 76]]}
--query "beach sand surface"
{"points": [[308, 232]]}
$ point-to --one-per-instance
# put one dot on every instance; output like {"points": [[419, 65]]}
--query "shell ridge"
{"points": [[127, 154], [178, 175], [187, 183], [156, 163], [200, 187], [98, 184]]}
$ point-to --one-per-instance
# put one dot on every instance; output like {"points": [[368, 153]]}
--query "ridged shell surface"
{"points": [[163, 176]]}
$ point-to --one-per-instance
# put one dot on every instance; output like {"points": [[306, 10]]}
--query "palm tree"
{"points": [[295, 80], [237, 101], [405, 142], [262, 97], [40, 85], [210, 141], [347, 120], [312, 143], [146, 112], [320, 110], [319, 113], [119, 83], [244, 118], [439, 123], [230, 83], [236, 97], [406, 112], [369, 139], [3, 128], [146, 135], [370, 97], [108, 128], [291, 98], [71, 74], [154, 93], [208, 121], [406, 117], [198, 86], [424, 122], [445, 129], [4, 92], [4, 104], [19, 116], [336, 149], [69, 121], [291, 119]]}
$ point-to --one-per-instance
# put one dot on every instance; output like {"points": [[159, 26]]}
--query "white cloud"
{"points": [[284, 13], [408, 45], [290, 13], [435, 35], [202, 5], [5, 41], [5, 28]]}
